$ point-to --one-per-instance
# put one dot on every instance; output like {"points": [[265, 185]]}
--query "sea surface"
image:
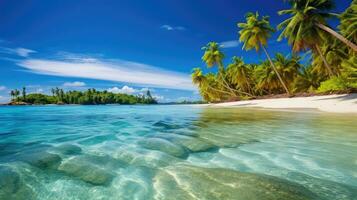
{"points": [[176, 152]]}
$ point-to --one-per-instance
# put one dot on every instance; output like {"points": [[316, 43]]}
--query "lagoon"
{"points": [[176, 152]]}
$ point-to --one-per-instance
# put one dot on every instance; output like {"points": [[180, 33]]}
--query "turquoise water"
{"points": [[175, 152]]}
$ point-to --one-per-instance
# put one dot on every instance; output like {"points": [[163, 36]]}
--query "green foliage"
{"points": [[255, 31], [348, 24], [301, 29], [88, 97], [333, 64], [333, 84], [306, 81]]}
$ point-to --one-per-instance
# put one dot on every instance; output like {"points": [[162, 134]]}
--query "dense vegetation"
{"points": [[88, 97], [332, 66]]}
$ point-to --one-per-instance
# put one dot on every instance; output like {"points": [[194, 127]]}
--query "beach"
{"points": [[345, 103]]}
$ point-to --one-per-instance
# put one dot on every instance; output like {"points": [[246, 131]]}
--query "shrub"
{"points": [[333, 84]]}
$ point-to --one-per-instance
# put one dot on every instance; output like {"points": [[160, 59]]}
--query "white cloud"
{"points": [[118, 70], [2, 88], [145, 89], [124, 90], [158, 97], [40, 90], [173, 28], [230, 44], [74, 84], [23, 52]]}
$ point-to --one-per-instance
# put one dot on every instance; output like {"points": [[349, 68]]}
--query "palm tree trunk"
{"points": [[226, 85], [221, 76], [338, 36], [276, 71], [217, 90], [324, 60]]}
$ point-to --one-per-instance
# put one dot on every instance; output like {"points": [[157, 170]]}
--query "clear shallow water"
{"points": [[175, 152]]}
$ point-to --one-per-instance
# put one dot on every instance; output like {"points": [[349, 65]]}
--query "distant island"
{"points": [[88, 97]]}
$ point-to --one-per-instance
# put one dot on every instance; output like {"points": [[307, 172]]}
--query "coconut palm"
{"points": [[309, 16], [267, 81], [307, 27], [255, 34], [307, 80], [349, 69], [240, 75], [334, 54], [348, 24], [12, 94], [287, 67], [214, 56], [24, 93], [207, 84]]}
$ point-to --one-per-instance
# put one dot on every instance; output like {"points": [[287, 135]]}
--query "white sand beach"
{"points": [[345, 103]]}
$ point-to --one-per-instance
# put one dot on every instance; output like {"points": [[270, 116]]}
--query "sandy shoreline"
{"points": [[345, 103]]}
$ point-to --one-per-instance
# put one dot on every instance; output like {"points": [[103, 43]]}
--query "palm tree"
{"points": [[304, 28], [204, 83], [239, 74], [254, 34], [213, 56], [12, 94], [266, 78], [307, 80], [312, 14], [349, 69], [348, 24], [53, 91], [16, 93], [288, 67], [24, 93], [334, 54]]}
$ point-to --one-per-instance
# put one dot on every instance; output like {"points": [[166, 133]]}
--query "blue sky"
{"points": [[121, 46]]}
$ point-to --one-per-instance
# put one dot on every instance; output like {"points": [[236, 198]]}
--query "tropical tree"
{"points": [[12, 94], [348, 24], [288, 67], [334, 55], [307, 80], [312, 14], [240, 74], [208, 85], [214, 56], [255, 33], [306, 27], [267, 81], [24, 93], [16, 93]]}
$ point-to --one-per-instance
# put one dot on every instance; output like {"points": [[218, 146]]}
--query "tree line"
{"points": [[333, 55], [88, 97]]}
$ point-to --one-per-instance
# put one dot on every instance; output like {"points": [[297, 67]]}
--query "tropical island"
{"points": [[331, 65], [88, 97]]}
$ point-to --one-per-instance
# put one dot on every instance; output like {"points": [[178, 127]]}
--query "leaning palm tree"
{"points": [[254, 34], [312, 14], [214, 56], [205, 85], [239, 74], [348, 24], [288, 67], [306, 27], [334, 55]]}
